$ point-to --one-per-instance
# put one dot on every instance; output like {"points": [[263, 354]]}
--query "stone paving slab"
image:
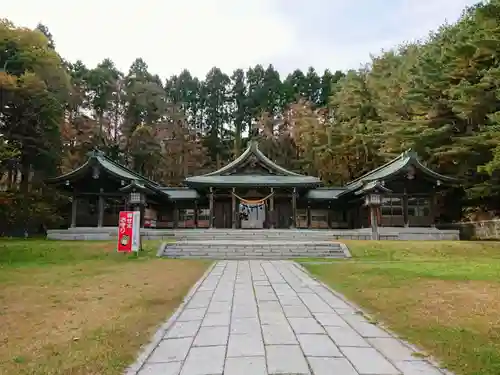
{"points": [[270, 317]]}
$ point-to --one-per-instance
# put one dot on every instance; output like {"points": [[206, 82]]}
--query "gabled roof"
{"points": [[228, 176], [142, 186], [372, 186], [252, 149], [399, 164], [97, 158]]}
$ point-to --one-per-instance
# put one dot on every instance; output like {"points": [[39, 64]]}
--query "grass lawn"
{"points": [[443, 296], [80, 308]]}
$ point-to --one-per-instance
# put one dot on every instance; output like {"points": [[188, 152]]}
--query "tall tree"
{"points": [[34, 88], [240, 109], [215, 91], [45, 31]]}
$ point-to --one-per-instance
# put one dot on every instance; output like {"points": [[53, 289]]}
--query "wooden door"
{"points": [[222, 213], [283, 214]]}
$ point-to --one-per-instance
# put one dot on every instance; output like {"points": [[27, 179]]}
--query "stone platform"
{"points": [[270, 317], [386, 233]]}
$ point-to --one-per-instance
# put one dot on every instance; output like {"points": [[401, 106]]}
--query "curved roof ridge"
{"points": [[132, 172], [390, 162], [252, 148], [273, 165], [66, 175], [231, 165]]}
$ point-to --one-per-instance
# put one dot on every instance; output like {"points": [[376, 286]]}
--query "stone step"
{"points": [[248, 256], [258, 249], [194, 253], [253, 237], [255, 242], [253, 250]]}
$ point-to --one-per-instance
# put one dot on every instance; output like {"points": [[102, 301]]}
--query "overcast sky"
{"points": [[198, 34]]}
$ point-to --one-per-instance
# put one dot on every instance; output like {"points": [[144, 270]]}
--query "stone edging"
{"points": [[412, 347], [161, 249], [345, 249], [160, 333]]}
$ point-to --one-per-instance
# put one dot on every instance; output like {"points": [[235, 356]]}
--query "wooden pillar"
{"points": [[176, 215], [294, 208], [142, 210], [74, 208], [405, 209], [211, 208], [100, 210], [374, 222], [329, 215], [308, 215], [433, 208], [126, 205], [233, 209], [196, 214], [271, 209]]}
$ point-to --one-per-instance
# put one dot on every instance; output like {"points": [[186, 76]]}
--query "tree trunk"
{"points": [[25, 176]]}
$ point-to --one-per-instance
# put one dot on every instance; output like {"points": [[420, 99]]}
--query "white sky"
{"points": [[171, 35]]}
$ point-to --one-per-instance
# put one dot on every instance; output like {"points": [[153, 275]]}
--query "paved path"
{"points": [[270, 317]]}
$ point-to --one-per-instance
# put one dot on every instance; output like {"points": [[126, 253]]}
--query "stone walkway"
{"points": [[270, 317]]}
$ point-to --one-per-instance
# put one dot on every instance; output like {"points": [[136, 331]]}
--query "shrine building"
{"points": [[254, 192]]}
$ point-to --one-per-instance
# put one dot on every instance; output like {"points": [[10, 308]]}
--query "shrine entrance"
{"points": [[253, 213]]}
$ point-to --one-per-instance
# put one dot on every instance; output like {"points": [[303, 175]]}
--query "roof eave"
{"points": [[376, 187], [272, 165], [200, 184], [436, 175], [136, 175], [71, 175], [171, 195], [135, 186], [366, 176]]}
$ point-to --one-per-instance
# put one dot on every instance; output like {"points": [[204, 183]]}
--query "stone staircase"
{"points": [[251, 244]]}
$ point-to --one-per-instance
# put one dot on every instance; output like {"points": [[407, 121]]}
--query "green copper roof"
{"points": [[324, 193], [142, 186], [97, 158], [397, 165], [372, 186], [180, 193], [278, 176], [253, 180]]}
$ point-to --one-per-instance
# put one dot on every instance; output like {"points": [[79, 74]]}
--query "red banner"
{"points": [[125, 231]]}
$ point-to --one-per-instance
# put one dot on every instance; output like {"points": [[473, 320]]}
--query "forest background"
{"points": [[439, 96]]}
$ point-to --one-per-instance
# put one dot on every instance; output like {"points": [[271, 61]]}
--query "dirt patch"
{"points": [[61, 326], [449, 303], [452, 303]]}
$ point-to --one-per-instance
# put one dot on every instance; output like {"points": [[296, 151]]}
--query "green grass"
{"points": [[441, 295], [81, 308], [26, 253]]}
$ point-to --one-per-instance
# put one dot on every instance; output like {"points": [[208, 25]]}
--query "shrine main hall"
{"points": [[254, 192]]}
